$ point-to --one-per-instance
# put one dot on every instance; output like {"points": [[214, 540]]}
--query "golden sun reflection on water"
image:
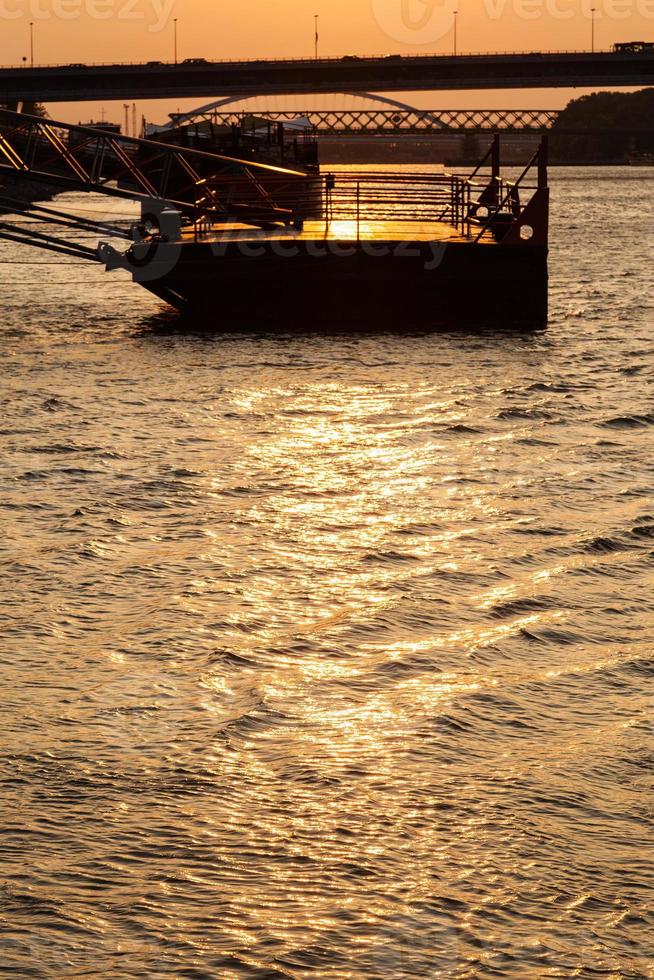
{"points": [[330, 657]]}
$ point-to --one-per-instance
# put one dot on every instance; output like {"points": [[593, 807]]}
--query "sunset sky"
{"points": [[69, 31]]}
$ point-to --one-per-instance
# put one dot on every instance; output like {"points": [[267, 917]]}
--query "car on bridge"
{"points": [[634, 47]]}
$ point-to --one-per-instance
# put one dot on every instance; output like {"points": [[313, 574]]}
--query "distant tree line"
{"points": [[626, 118]]}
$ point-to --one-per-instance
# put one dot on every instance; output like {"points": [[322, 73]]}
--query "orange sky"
{"points": [[139, 30]]}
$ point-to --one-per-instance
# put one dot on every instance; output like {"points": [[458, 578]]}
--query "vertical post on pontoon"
{"points": [[496, 163], [542, 161], [358, 209]]}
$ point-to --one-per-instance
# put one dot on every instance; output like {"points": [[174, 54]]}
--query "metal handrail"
{"points": [[510, 188], [427, 198]]}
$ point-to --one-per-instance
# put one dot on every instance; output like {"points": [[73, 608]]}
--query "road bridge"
{"points": [[393, 73]]}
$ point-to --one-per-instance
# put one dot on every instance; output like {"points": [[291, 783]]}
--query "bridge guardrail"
{"points": [[332, 59]]}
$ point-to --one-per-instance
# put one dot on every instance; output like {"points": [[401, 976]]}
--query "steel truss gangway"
{"points": [[200, 185]]}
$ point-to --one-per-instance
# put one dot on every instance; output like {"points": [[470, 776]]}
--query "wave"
{"points": [[629, 421]]}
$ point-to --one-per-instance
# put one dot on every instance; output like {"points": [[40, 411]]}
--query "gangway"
{"points": [[200, 185]]}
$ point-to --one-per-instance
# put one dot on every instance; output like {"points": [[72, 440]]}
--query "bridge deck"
{"points": [[408, 73]]}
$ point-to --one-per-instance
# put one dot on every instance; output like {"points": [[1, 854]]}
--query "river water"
{"points": [[331, 657]]}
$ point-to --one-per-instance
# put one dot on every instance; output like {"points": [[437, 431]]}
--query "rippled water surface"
{"points": [[331, 657]]}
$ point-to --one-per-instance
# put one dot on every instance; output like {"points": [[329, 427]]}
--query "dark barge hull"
{"points": [[350, 285]]}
